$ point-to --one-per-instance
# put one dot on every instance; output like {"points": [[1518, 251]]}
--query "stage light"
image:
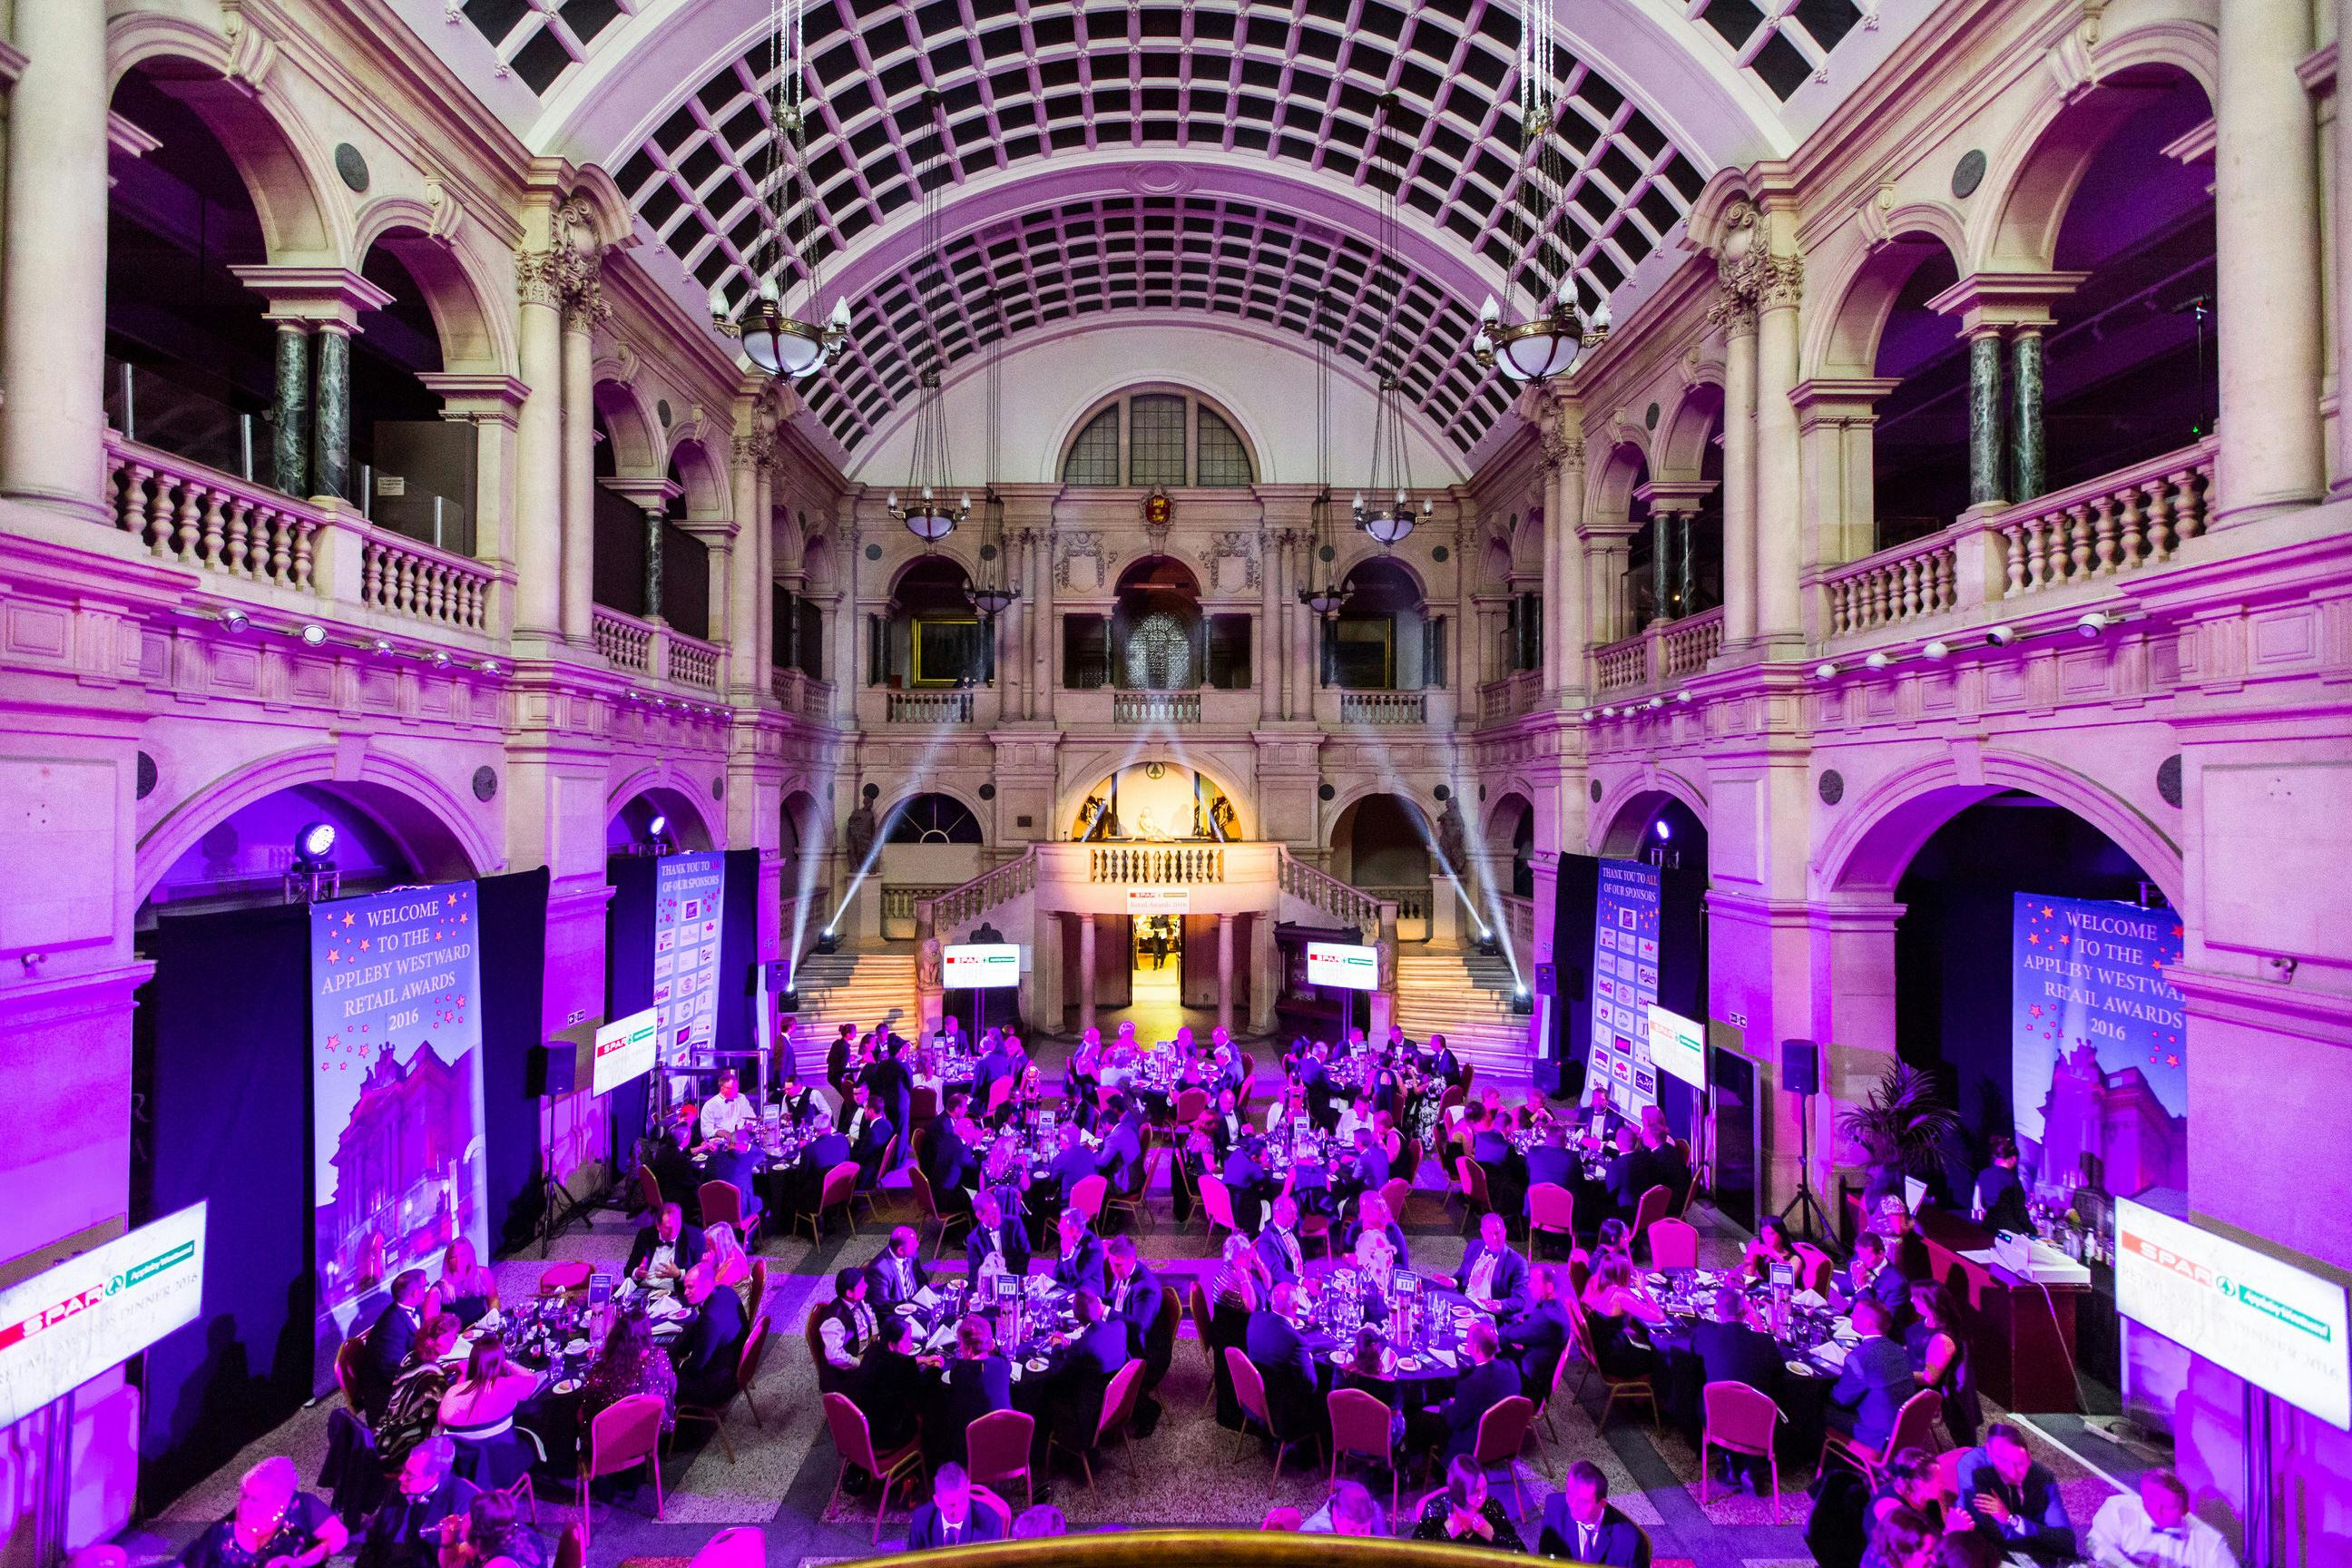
{"points": [[1609, 712], [314, 845], [440, 658], [1657, 702], [2093, 623], [1522, 1003], [1666, 829], [658, 825], [789, 1002], [383, 644], [235, 620], [2001, 636], [489, 667], [313, 633], [828, 940], [1489, 943], [1937, 649], [1825, 670], [1682, 696], [1877, 661]]}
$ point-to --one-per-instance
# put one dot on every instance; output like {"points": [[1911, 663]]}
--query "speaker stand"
{"points": [[1807, 1208]]}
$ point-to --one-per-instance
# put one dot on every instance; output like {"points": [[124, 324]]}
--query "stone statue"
{"points": [[859, 832], [927, 964], [1453, 835]]}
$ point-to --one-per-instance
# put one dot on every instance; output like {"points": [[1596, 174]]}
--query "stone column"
{"points": [[847, 671], [582, 309], [1268, 671], [2025, 444], [2266, 262], [1047, 686], [1738, 319], [742, 617], [654, 518], [289, 447], [1464, 651], [331, 414], [759, 559], [1662, 567], [1567, 631], [1780, 520], [1984, 417], [1265, 973], [1557, 590], [1086, 972], [539, 450], [53, 298], [1225, 972]]}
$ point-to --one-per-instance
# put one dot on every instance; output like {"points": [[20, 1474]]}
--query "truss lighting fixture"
{"points": [[235, 620], [313, 633]]}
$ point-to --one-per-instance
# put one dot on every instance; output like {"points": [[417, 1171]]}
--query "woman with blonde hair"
{"points": [[725, 1255], [468, 1286], [275, 1524]]}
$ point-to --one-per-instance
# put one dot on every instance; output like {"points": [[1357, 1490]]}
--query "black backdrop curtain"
{"points": [[738, 945], [628, 982], [514, 983], [228, 1113], [1575, 906]]}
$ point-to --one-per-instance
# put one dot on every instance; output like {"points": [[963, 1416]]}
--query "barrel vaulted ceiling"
{"points": [[1211, 154]]}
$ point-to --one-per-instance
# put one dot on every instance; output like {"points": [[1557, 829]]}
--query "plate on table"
{"points": [[1407, 1363], [906, 1309], [569, 1386], [1656, 1277], [1801, 1369], [577, 1347], [1038, 1364]]}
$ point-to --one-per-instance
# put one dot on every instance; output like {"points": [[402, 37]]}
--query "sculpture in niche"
{"points": [[1453, 836], [858, 832]]}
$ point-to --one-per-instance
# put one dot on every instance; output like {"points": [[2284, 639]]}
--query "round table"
{"points": [[1812, 1352]]}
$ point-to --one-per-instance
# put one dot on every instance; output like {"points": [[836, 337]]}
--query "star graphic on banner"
{"points": [[333, 1041], [2171, 1061], [334, 955], [347, 916], [363, 942], [2064, 941], [2035, 1009], [2047, 912], [2035, 938]]}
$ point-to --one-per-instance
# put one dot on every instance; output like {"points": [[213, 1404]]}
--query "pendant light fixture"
{"points": [[928, 514], [778, 343], [996, 592], [1388, 515], [1320, 593]]}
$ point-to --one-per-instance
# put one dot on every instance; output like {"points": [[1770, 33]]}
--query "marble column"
{"points": [[1662, 567], [538, 451], [2266, 262], [2025, 442], [655, 519], [53, 294], [1780, 480], [330, 414], [1086, 972], [1567, 596], [759, 559], [742, 619], [1984, 417], [1739, 320], [1268, 672], [290, 433], [580, 310], [1686, 563], [1225, 973]]}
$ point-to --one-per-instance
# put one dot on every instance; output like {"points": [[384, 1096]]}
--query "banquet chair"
{"points": [[1313, 1226], [840, 1186], [859, 1193], [1119, 1396], [811, 1331], [648, 1190], [1361, 1428], [1217, 1207], [853, 1439], [350, 1356], [622, 1436], [1196, 1304], [1469, 1081], [1915, 1427], [1190, 1105], [1632, 1388], [998, 1093], [747, 1373], [1086, 1198], [1502, 1433], [1673, 1244], [1160, 1345], [1739, 1419], [759, 1297], [922, 1104], [1552, 1211], [1397, 1192], [927, 1207], [1249, 1391], [1136, 1205], [722, 1204], [571, 1274], [996, 1448], [1551, 1397], [1470, 1178], [983, 1497], [1650, 1210], [1814, 1269], [569, 1551]]}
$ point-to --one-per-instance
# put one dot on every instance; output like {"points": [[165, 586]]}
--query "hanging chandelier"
{"points": [[1390, 515], [777, 343], [997, 592], [1322, 601], [927, 514], [1554, 335]]}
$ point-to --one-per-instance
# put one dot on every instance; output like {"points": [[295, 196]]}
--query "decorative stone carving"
{"points": [[1454, 836], [1081, 545], [1750, 276], [1234, 544]]}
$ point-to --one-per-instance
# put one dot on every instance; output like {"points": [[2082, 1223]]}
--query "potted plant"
{"points": [[1903, 1128]]}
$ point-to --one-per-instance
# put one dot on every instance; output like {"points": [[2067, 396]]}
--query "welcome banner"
{"points": [[396, 1099], [2098, 1042], [1625, 984]]}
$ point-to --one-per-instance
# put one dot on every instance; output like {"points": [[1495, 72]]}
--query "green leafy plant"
{"points": [[1904, 1126]]}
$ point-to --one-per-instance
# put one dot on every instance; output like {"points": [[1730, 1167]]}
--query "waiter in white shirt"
{"points": [[726, 1110], [2156, 1529]]}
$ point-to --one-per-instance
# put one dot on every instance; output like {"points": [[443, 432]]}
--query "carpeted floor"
{"points": [[1190, 1472]]}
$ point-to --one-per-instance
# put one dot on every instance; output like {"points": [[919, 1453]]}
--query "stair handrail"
{"points": [[1000, 883], [1342, 900]]}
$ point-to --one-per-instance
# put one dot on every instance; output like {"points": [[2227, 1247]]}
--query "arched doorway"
{"points": [[1381, 844], [1511, 843], [930, 843], [657, 820], [1381, 639], [1156, 630]]}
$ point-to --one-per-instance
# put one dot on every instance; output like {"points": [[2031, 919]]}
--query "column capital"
{"points": [[1678, 498], [1995, 301], [484, 397], [312, 296]]}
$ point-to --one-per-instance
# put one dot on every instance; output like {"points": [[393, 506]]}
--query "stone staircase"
{"points": [[1465, 995], [861, 988]]}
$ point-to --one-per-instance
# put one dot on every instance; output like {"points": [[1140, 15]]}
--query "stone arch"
{"points": [[1255, 444], [2037, 171], [1625, 811], [279, 158], [1420, 799], [1681, 440], [1613, 479], [678, 796], [1845, 337], [1369, 551], [709, 496], [1108, 760], [939, 787], [1873, 842], [439, 833], [629, 422], [475, 338]]}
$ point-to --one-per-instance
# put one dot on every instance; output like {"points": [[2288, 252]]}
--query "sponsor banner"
{"points": [[979, 966], [624, 1050], [1624, 983], [69, 1322], [1160, 901], [1343, 965], [689, 891]]}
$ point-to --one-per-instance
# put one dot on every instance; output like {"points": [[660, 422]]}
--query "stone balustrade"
{"points": [[691, 661], [1155, 708], [959, 906], [1150, 865], [627, 642], [402, 576], [1622, 666], [1891, 587], [1347, 904], [950, 707], [2114, 523], [1508, 698], [1382, 708]]}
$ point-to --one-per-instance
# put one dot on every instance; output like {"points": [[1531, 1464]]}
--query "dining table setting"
{"points": [[1812, 1336]]}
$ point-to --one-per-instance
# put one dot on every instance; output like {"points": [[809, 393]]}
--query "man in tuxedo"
{"points": [[993, 1236], [896, 1275], [2013, 1499], [1493, 1275], [1314, 1078], [1624, 1173], [869, 1131], [1135, 1298], [405, 1530], [892, 1387], [1491, 1148], [1442, 1061], [951, 1163], [674, 1170], [890, 1085], [1580, 1525], [991, 1065], [664, 1250], [1098, 1349], [711, 1351], [1538, 1336], [1278, 1245], [1071, 1163], [1367, 1169], [846, 1329], [949, 1519], [1079, 1261], [1663, 1163], [1874, 1381], [1869, 1276], [836, 1060], [1486, 1381], [389, 1340], [1247, 1182], [1284, 1362], [1230, 1126], [733, 1162]]}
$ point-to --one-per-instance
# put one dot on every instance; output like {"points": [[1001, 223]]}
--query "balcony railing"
{"points": [[627, 642], [693, 662], [1317, 886], [1508, 698], [405, 577], [1156, 865], [658, 652], [1667, 651], [931, 707], [1383, 708], [1891, 587], [899, 910], [797, 692], [1155, 708], [958, 907], [1412, 908]]}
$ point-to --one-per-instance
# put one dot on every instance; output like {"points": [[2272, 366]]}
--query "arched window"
{"points": [[933, 819], [1151, 437]]}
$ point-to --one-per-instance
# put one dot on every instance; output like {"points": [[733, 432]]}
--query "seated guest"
{"points": [[494, 1537], [803, 1187], [1040, 1522], [979, 1381], [1874, 1381], [389, 1340], [1662, 1162], [1466, 1511], [1551, 1160], [1537, 1336], [1278, 1244], [1229, 1127], [1938, 1345], [1910, 1478], [1623, 1172], [730, 1264], [1869, 1274], [996, 1245], [892, 1387], [1614, 1305], [1245, 1180], [414, 1407], [1580, 1525], [1732, 1348], [1906, 1249], [2000, 1198], [2152, 1525], [1284, 1362], [1442, 1061], [733, 1161], [1493, 1275], [1121, 1160], [1286, 1107], [409, 1528], [950, 1164], [1373, 1217], [664, 1250], [1098, 1349], [726, 1113], [275, 1523], [1901, 1539], [674, 1170], [950, 1519], [1133, 1293], [846, 1330], [2012, 1498], [480, 1405], [466, 1287], [1366, 1170], [1071, 1163], [709, 1353], [1485, 1382], [1078, 1259], [1770, 1249], [1349, 1511], [898, 1273], [1613, 1236], [629, 1364], [869, 1132]]}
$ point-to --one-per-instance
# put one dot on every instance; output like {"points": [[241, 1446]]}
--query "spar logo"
{"points": [[2232, 1290], [81, 1301]]}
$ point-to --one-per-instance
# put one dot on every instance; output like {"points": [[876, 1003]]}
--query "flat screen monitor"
{"points": [[1343, 965], [981, 966], [71, 1322], [624, 1050], [1677, 1046]]}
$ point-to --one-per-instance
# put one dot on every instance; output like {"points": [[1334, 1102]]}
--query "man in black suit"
{"points": [[1538, 1336], [1549, 1162], [1493, 1275], [1731, 1349], [664, 1250], [1078, 1262], [711, 1351], [949, 1519], [890, 1085], [2000, 1197], [836, 1060], [1314, 1078], [1869, 1275], [801, 1187], [1135, 1298], [952, 1164], [1874, 1381], [1098, 1349], [1624, 1173], [991, 1065], [1122, 1158], [896, 1275], [1662, 1162], [733, 1162], [1071, 1163], [1364, 1171], [1278, 1243], [405, 1530], [674, 1170], [892, 1387], [1486, 1381], [993, 1236], [1246, 1181], [1442, 1061], [1229, 1127], [389, 1340], [1580, 1525], [1284, 1362]]}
